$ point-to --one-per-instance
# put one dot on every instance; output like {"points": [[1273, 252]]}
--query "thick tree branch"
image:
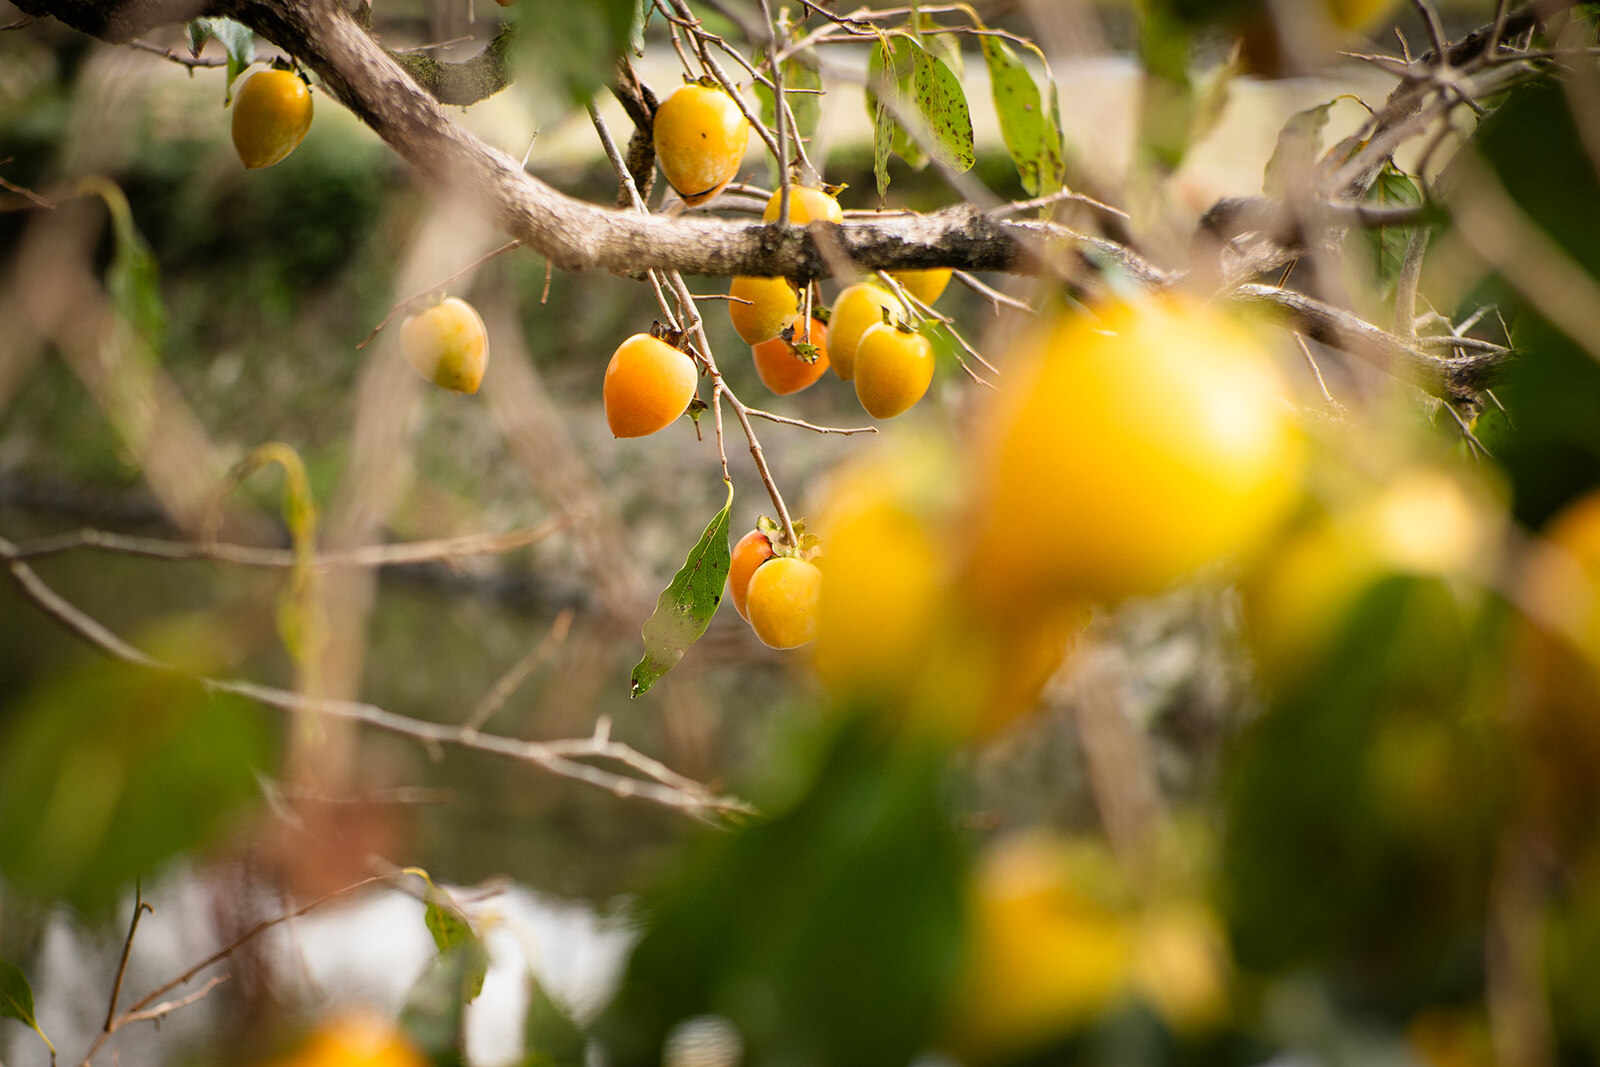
{"points": [[573, 234]]}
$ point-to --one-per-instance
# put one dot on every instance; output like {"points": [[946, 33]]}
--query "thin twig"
{"points": [[139, 908], [991, 294], [509, 682], [191, 62], [138, 1009], [412, 301], [1019, 206], [391, 555], [843, 431], [169, 1006]]}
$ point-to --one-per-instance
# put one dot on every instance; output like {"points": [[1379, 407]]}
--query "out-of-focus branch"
{"points": [[658, 785], [1456, 380]]}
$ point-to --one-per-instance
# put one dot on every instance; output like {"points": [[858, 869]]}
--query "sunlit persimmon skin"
{"points": [[857, 308], [648, 385], [780, 366], [1128, 450], [761, 307], [750, 552], [700, 138], [448, 345], [356, 1039], [893, 370], [782, 601], [271, 115], [805, 205], [926, 285]]}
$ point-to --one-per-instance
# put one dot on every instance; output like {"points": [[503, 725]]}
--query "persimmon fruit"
{"points": [[894, 367], [782, 367], [271, 115], [700, 138], [858, 307], [805, 205], [447, 344], [761, 307], [1130, 448], [782, 601], [648, 384], [926, 285], [749, 553]]}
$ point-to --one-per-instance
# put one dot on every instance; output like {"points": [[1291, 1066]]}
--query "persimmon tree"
{"points": [[1334, 412]]}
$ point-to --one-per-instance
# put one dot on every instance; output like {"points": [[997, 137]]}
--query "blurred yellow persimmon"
{"points": [[1129, 450], [1051, 948], [1422, 521], [356, 1039]]}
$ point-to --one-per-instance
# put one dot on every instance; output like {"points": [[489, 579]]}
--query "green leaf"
{"points": [[108, 770], [16, 1001], [236, 38], [828, 933], [806, 106], [1031, 132], [1388, 243], [684, 609], [435, 1009], [1299, 145], [452, 930], [550, 1036], [943, 104], [133, 278], [890, 69]]}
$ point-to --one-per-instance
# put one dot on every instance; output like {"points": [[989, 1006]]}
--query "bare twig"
{"points": [[413, 301], [166, 1007], [399, 554], [785, 420], [698, 802], [139, 908], [509, 682], [191, 62], [991, 294]]}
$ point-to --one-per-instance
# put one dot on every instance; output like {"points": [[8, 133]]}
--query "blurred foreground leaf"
{"points": [[686, 605], [829, 933], [550, 1037], [110, 770], [1365, 806], [435, 1008]]}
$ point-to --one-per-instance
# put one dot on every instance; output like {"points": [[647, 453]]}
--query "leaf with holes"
{"points": [[686, 605]]}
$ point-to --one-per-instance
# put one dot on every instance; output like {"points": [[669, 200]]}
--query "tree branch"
{"points": [[573, 234]]}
